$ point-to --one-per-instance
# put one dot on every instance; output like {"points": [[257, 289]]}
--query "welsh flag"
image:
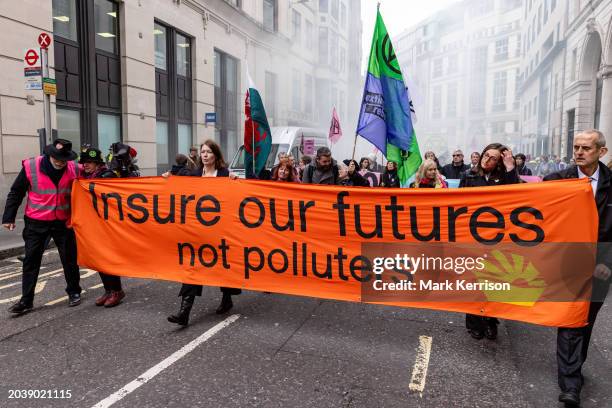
{"points": [[385, 118], [257, 135]]}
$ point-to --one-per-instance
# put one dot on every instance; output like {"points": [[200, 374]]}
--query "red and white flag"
{"points": [[335, 132]]}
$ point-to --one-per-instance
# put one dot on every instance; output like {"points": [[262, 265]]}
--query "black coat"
{"points": [[524, 171], [472, 179], [390, 179], [451, 171], [222, 172], [603, 199], [355, 179], [180, 170]]}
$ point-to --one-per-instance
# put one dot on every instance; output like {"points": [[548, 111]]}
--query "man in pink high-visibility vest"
{"points": [[47, 181]]}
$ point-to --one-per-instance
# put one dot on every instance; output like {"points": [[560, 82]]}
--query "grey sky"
{"points": [[398, 15]]}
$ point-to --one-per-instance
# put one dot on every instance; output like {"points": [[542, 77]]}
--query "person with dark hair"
{"points": [[390, 178], [456, 168], [212, 164], [123, 160], [193, 160], [324, 170], [304, 161], [364, 166], [573, 343], [352, 177], [496, 167], [181, 166], [47, 182], [474, 159], [521, 167], [431, 155]]}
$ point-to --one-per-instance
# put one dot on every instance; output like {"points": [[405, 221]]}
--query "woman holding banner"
{"points": [[212, 165], [496, 167]]}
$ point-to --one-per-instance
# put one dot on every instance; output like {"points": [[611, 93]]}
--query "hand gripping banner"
{"points": [[524, 252]]}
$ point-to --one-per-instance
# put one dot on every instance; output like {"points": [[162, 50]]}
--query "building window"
{"points": [[105, 23], [323, 45], [226, 102], [342, 16], [87, 71], [161, 53], [183, 56], [236, 3], [437, 68], [451, 101], [574, 64], [308, 89], [69, 125], [500, 83], [296, 100], [109, 129], [309, 35], [334, 9], [571, 118], [598, 92], [323, 6], [453, 65], [65, 19], [270, 15], [436, 108], [501, 49], [296, 24], [271, 96], [478, 87], [173, 94]]}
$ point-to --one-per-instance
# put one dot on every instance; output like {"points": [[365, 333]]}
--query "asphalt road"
{"points": [[271, 351]]}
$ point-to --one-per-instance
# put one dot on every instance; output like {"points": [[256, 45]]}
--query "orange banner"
{"points": [[322, 241]]}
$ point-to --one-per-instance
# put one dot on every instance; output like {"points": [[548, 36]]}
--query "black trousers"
{"points": [[111, 282], [196, 290], [572, 349], [479, 323], [35, 236]]}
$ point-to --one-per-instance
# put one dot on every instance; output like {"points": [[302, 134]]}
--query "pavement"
{"points": [[270, 351]]}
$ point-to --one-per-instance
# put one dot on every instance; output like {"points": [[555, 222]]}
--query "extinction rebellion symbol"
{"points": [[388, 55]]}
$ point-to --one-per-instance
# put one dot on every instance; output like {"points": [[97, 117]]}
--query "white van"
{"points": [[285, 139]]}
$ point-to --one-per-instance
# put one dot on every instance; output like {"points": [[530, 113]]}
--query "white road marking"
{"points": [[65, 298], [419, 372], [158, 368]]}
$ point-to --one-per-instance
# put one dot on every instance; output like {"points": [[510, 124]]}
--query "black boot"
{"points": [[226, 304], [182, 317]]}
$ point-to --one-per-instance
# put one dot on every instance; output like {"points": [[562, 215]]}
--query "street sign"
{"points": [[210, 117], [32, 70], [31, 58], [44, 40], [49, 86]]}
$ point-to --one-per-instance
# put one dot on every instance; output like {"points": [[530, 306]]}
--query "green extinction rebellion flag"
{"points": [[385, 118], [257, 135]]}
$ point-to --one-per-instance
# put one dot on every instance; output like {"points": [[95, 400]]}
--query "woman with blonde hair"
{"points": [[428, 176]]}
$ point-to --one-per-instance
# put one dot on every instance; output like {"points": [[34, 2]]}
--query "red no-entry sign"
{"points": [[31, 57], [44, 40]]}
